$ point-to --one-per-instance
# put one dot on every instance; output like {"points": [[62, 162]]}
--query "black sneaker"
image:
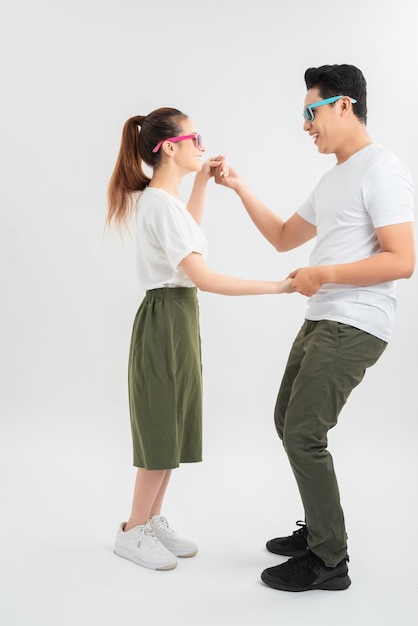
{"points": [[303, 573], [294, 545]]}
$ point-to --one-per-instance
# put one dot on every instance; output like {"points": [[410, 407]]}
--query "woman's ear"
{"points": [[168, 148]]}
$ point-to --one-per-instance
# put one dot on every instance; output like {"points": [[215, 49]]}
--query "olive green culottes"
{"points": [[165, 380]]}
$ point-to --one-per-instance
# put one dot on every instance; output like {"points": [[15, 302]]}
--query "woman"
{"points": [[165, 380]]}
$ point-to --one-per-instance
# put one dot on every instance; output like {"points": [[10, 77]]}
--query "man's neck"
{"points": [[355, 142]]}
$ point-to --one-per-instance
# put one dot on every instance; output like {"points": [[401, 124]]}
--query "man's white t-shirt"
{"points": [[370, 190], [165, 234]]}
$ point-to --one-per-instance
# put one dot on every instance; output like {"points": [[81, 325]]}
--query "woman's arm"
{"points": [[195, 267], [196, 203]]}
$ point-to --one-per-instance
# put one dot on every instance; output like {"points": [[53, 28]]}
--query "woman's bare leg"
{"points": [[150, 488], [158, 502]]}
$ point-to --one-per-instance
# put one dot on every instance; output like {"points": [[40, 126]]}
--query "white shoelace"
{"points": [[165, 528], [147, 530]]}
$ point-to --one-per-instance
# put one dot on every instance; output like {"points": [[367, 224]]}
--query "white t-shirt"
{"points": [[165, 234], [370, 190]]}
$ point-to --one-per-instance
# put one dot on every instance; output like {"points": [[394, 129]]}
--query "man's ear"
{"points": [[345, 105]]}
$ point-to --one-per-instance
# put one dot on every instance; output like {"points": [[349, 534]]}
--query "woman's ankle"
{"points": [[132, 524]]}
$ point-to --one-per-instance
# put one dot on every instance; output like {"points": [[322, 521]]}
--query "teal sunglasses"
{"points": [[308, 114]]}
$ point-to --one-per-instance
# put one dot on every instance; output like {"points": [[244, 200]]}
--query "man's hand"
{"points": [[308, 280], [227, 177]]}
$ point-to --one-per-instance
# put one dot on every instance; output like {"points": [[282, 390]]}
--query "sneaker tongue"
{"points": [[148, 530]]}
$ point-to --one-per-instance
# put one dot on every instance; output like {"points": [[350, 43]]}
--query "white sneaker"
{"points": [[166, 535], [141, 546]]}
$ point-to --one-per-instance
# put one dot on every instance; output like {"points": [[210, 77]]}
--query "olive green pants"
{"points": [[327, 361]]}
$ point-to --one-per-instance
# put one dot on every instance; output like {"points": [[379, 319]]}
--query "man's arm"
{"points": [[282, 235], [396, 259]]}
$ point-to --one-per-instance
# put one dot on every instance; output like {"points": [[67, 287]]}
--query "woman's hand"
{"points": [[196, 203], [286, 286]]}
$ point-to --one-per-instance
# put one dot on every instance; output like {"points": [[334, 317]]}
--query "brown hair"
{"points": [[140, 135]]}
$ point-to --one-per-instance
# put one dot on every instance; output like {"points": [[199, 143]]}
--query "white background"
{"points": [[72, 73]]}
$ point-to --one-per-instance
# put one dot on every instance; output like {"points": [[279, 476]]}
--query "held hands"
{"points": [[308, 280], [286, 286], [212, 165], [217, 168]]}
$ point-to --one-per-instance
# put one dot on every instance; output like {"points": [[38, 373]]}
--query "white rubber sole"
{"points": [[182, 555], [155, 566]]}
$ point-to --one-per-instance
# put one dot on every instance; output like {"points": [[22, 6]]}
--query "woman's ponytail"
{"points": [[128, 178]]}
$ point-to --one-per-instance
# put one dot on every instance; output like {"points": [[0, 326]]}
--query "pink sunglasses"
{"points": [[198, 141]]}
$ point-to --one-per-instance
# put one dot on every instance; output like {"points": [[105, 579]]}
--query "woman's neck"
{"points": [[167, 181]]}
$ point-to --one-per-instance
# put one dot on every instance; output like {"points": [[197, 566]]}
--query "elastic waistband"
{"points": [[172, 292]]}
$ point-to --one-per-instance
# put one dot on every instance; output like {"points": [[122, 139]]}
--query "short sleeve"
{"points": [[175, 231], [307, 211], [388, 193]]}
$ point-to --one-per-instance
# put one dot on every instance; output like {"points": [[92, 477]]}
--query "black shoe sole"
{"points": [[339, 583]]}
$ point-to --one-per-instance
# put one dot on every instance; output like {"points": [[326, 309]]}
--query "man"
{"points": [[361, 213]]}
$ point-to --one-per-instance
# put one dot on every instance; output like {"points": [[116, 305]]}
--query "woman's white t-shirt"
{"points": [[370, 190], [165, 234]]}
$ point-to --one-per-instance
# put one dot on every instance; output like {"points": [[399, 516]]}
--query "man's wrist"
{"points": [[328, 274]]}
